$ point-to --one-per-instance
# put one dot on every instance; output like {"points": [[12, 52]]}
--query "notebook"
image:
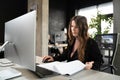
{"points": [[9, 73], [64, 68]]}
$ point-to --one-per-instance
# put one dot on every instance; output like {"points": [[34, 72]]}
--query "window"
{"points": [[104, 9]]}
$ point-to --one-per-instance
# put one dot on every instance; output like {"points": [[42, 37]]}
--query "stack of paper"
{"points": [[64, 68], [5, 62]]}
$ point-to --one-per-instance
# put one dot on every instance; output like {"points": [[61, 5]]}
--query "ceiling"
{"points": [[86, 3]]}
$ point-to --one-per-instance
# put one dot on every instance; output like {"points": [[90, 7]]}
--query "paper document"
{"points": [[5, 62], [64, 68]]}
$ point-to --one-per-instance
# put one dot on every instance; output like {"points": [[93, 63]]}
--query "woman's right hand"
{"points": [[48, 58]]}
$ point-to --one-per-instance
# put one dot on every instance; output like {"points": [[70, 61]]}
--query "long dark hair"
{"points": [[81, 23]]}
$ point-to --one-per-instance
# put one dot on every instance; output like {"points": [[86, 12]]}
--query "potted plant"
{"points": [[96, 24]]}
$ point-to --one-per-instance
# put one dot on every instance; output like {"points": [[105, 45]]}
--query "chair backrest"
{"points": [[116, 58], [116, 49]]}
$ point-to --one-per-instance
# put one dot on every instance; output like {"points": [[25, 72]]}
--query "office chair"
{"points": [[108, 42]]}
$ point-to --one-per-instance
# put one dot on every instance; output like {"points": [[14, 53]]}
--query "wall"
{"points": [[116, 15], [57, 15], [116, 4], [42, 25], [51, 18], [8, 10]]}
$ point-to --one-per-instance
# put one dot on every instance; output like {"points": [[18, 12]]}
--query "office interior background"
{"points": [[53, 16]]}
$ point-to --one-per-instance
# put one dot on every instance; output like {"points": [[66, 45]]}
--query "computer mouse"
{"points": [[46, 60]]}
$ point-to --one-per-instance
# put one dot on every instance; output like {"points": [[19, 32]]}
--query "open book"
{"points": [[64, 68]]}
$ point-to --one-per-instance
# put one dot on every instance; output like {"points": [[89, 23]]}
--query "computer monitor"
{"points": [[60, 37], [21, 33], [106, 41]]}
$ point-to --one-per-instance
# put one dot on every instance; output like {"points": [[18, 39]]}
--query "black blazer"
{"points": [[92, 53]]}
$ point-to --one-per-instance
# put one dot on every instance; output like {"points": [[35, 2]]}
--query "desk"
{"points": [[57, 45], [60, 47], [86, 75], [82, 75]]}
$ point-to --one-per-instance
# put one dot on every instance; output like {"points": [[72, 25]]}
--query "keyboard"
{"points": [[9, 73]]}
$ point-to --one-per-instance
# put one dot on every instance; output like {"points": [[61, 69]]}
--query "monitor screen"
{"points": [[60, 37], [107, 39], [21, 33]]}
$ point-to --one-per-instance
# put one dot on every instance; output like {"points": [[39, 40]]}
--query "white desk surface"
{"points": [[82, 75], [58, 45]]}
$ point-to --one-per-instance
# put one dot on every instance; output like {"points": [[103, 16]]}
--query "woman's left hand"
{"points": [[89, 65]]}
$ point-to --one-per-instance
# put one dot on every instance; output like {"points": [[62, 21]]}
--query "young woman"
{"points": [[80, 45]]}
